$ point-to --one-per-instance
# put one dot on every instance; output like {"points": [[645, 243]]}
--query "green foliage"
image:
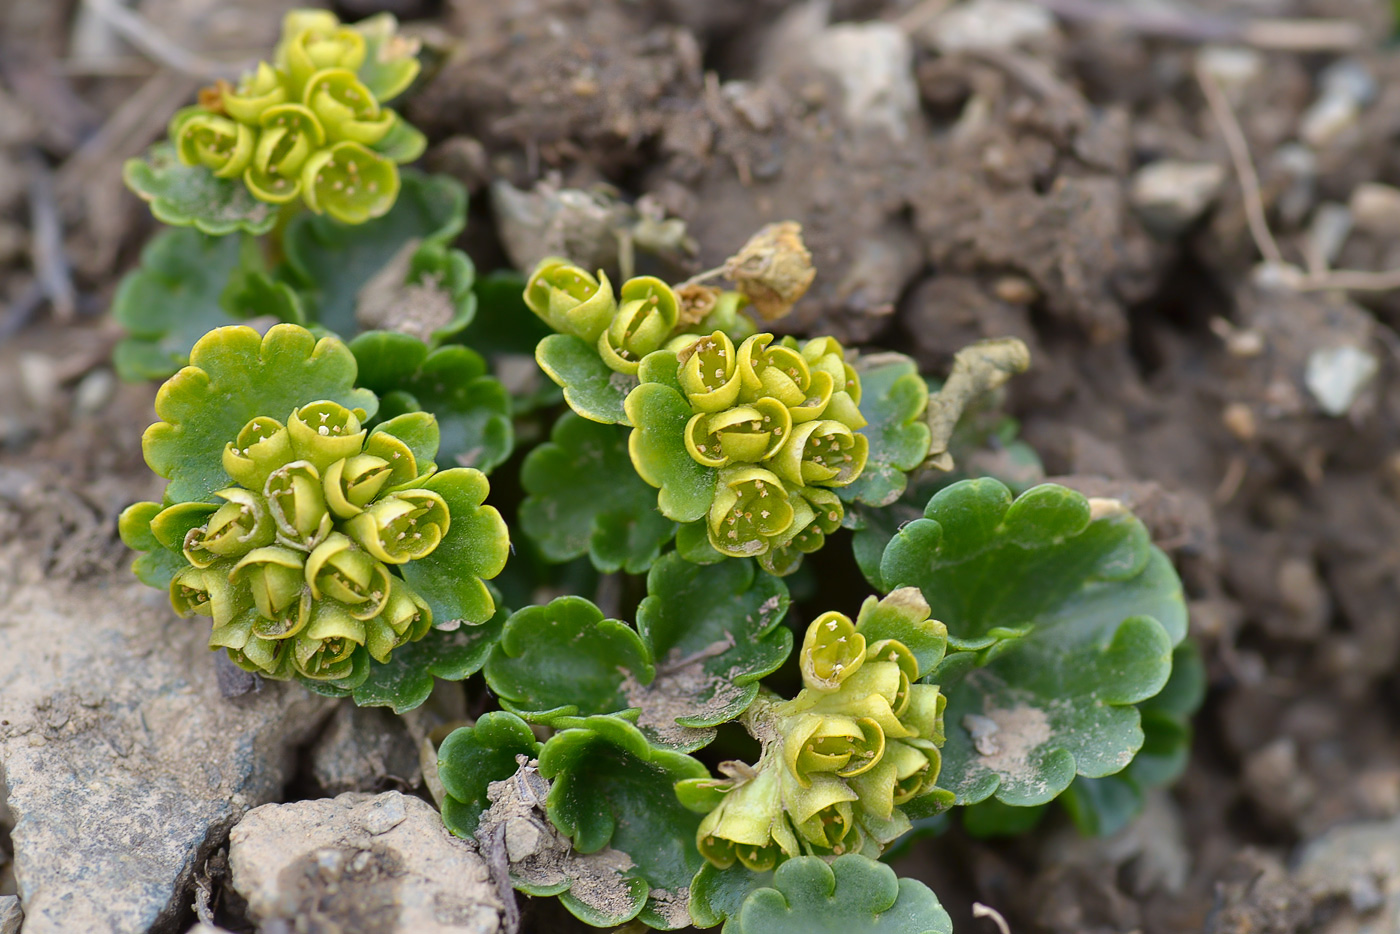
{"points": [[310, 125], [852, 893], [585, 499], [704, 637], [590, 388], [473, 757], [1067, 615], [332, 545], [893, 399], [472, 408]]}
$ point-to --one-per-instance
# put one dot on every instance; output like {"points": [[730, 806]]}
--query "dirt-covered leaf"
{"points": [[590, 388], [175, 297], [712, 632], [611, 788], [563, 660], [191, 196], [852, 893], [1067, 614], [329, 263], [406, 680], [893, 399], [584, 498], [473, 757], [234, 375], [451, 578], [472, 407]]}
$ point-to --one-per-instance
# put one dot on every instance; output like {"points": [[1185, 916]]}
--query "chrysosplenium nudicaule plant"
{"points": [[310, 539], [306, 124], [861, 739]]}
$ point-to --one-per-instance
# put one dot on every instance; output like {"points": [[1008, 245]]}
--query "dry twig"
{"points": [[136, 29], [1296, 35], [46, 239]]}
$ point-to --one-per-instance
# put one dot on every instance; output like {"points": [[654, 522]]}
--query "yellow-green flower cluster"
{"points": [[644, 315], [306, 125], [296, 566], [861, 739], [780, 422]]}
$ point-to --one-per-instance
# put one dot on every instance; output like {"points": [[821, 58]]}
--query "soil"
{"points": [[949, 192]]}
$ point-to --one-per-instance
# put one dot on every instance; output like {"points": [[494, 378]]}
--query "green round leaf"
{"points": [[853, 893], [450, 579], [612, 788], [893, 399], [564, 659], [1074, 614], [591, 388], [716, 895], [236, 374], [329, 262], [472, 408], [657, 446], [585, 498], [191, 196], [390, 62], [473, 757]]}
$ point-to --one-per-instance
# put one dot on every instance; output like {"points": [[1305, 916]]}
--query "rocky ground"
{"points": [[1058, 171]]}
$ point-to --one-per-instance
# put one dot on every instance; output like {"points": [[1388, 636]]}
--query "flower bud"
{"points": [[290, 134], [817, 513], [256, 92], [401, 527], [275, 578], [260, 448], [709, 373], [398, 456], [845, 746], [570, 300], [349, 182], [781, 372], [644, 319], [346, 108], [406, 613], [353, 481], [324, 650], [339, 570], [743, 434], [749, 825], [832, 651], [222, 145], [750, 509], [236, 528], [311, 43], [325, 432], [297, 500], [823, 453], [204, 592]]}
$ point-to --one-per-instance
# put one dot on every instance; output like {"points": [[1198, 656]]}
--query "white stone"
{"points": [[1375, 209], [1168, 196], [990, 24], [1336, 375], [874, 64]]}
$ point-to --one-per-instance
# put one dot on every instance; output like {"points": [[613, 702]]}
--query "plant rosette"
{"points": [[838, 761], [316, 546], [309, 125], [752, 441]]}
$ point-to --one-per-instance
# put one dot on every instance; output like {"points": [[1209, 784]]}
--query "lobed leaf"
{"points": [[235, 375], [405, 681], [893, 399], [451, 578], [473, 757], [585, 498], [472, 408], [191, 196], [852, 893], [1067, 615], [591, 388], [657, 447]]}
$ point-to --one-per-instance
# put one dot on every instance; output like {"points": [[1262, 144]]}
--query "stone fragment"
{"points": [[1168, 196], [990, 25], [362, 749], [874, 64], [382, 863], [114, 739]]}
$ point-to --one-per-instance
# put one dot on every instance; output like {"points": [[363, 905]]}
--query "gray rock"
{"points": [[361, 749], [384, 863], [11, 915], [990, 25], [1375, 207], [1336, 376], [874, 64], [1359, 864], [114, 741], [1168, 196]]}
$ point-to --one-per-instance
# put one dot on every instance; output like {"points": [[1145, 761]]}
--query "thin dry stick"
{"points": [[980, 910], [136, 29], [1189, 25], [1244, 166], [46, 239]]}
